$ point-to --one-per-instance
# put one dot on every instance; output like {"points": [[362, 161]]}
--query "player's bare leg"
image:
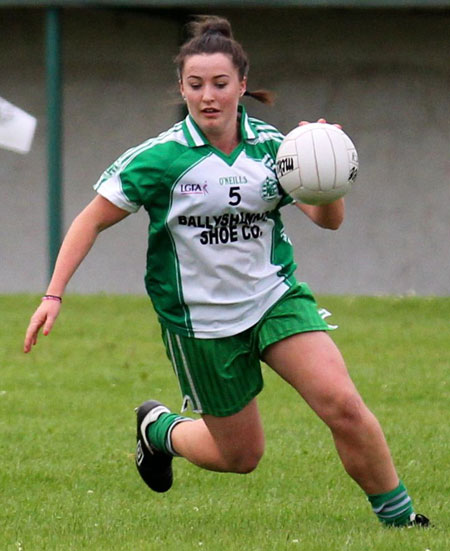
{"points": [[313, 365], [229, 444]]}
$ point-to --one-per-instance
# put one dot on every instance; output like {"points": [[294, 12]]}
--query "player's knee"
{"points": [[245, 461], [247, 464], [346, 413]]}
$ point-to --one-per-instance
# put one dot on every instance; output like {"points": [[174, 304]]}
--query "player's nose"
{"points": [[208, 94]]}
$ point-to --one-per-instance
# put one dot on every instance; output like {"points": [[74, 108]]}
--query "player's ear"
{"points": [[181, 88], [243, 86]]}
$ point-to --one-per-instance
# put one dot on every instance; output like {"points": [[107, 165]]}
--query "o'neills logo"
{"points": [[233, 180], [285, 165], [194, 189]]}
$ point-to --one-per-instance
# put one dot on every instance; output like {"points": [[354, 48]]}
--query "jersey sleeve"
{"points": [[117, 185], [137, 177]]}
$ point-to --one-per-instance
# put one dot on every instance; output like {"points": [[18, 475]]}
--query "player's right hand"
{"points": [[44, 317], [323, 121]]}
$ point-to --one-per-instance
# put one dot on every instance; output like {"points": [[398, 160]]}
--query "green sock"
{"points": [[393, 508], [159, 432]]}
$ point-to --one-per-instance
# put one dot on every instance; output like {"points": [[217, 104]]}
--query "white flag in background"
{"points": [[16, 128]]}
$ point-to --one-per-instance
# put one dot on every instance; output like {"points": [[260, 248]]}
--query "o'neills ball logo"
{"points": [[285, 165], [353, 174]]}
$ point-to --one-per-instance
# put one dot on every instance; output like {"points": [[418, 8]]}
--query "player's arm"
{"points": [[328, 216], [96, 217]]}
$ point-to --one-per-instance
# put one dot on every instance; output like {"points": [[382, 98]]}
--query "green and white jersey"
{"points": [[218, 256]]}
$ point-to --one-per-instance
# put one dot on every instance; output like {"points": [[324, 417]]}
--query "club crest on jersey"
{"points": [[194, 189], [269, 189]]}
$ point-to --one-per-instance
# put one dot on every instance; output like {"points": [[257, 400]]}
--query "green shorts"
{"points": [[221, 376]]}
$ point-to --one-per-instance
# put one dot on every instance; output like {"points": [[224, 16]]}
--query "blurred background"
{"points": [[382, 71]]}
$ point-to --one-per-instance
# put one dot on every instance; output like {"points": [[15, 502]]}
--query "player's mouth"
{"points": [[210, 112]]}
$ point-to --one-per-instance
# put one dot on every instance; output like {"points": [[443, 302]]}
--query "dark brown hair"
{"points": [[210, 34]]}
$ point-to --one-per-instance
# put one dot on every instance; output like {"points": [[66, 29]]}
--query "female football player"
{"points": [[220, 274]]}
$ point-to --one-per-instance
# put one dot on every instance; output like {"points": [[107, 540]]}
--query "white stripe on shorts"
{"points": [[172, 357], [197, 406], [195, 397]]}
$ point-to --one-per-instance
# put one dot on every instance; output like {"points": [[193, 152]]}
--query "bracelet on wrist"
{"points": [[52, 297]]}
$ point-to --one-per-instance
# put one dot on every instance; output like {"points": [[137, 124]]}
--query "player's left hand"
{"points": [[44, 316]]}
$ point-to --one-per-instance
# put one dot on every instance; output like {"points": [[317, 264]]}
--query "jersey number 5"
{"points": [[235, 196]]}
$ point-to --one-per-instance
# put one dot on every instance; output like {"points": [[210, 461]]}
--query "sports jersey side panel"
{"points": [[143, 176], [164, 280]]}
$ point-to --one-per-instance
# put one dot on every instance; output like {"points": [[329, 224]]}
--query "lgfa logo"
{"points": [[194, 189]]}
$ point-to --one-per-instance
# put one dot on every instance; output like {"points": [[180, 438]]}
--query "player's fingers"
{"points": [[321, 120], [324, 121], [31, 335], [48, 324], [44, 317]]}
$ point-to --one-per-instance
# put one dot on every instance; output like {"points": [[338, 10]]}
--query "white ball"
{"points": [[317, 163]]}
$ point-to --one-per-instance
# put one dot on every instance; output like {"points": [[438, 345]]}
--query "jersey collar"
{"points": [[196, 138]]}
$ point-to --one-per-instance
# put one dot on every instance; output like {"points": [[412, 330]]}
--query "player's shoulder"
{"points": [[155, 150], [266, 131]]}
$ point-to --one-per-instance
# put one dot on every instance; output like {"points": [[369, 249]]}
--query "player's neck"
{"points": [[225, 141]]}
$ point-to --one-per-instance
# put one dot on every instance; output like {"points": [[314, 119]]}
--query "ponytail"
{"points": [[264, 96]]}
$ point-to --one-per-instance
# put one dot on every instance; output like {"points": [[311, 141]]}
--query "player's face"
{"points": [[211, 85]]}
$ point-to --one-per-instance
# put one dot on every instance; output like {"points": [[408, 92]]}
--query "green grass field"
{"points": [[67, 475]]}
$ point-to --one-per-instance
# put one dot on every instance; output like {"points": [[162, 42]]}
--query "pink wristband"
{"points": [[52, 297]]}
